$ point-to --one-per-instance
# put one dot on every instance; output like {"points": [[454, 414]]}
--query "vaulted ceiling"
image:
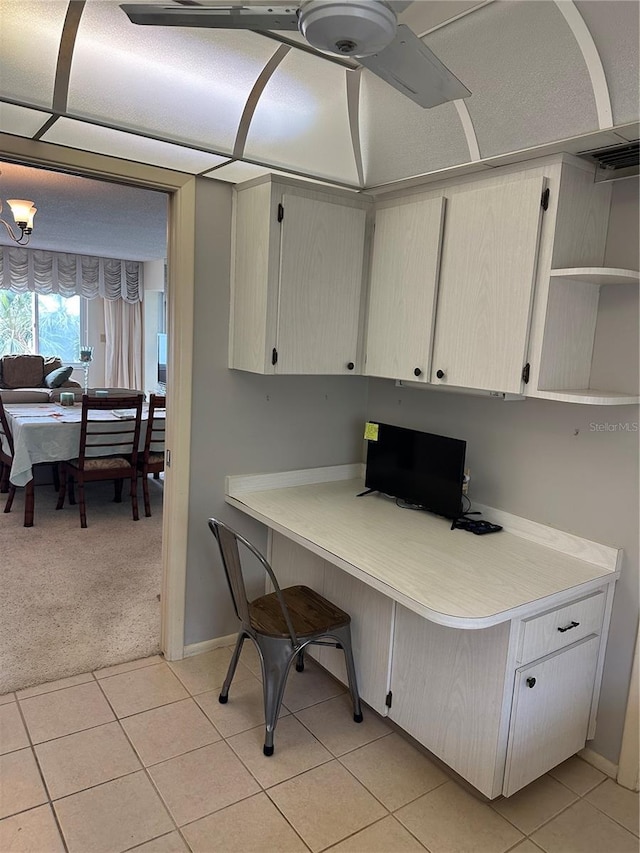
{"points": [[233, 105]]}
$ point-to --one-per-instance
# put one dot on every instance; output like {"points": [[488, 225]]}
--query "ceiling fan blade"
{"points": [[399, 6], [410, 67], [213, 17]]}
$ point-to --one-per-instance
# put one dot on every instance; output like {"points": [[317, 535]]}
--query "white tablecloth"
{"points": [[49, 432]]}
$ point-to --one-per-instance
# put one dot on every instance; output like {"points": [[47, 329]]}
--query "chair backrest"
{"points": [[228, 540], [106, 436], [6, 438], [154, 437]]}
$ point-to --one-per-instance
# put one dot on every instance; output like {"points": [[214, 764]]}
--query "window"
{"points": [[48, 324]]}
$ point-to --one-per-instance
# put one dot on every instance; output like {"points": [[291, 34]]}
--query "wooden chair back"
{"points": [[117, 438], [154, 437]]}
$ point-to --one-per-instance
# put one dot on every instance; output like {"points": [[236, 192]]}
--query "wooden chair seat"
{"points": [[311, 614], [100, 463]]}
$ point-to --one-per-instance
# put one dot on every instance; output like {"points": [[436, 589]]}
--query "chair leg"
{"points": [[300, 661], [134, 496], [10, 497], [343, 636], [4, 478], [117, 491], [81, 502], [223, 698], [62, 491], [277, 656], [29, 504], [55, 470], [145, 492]]}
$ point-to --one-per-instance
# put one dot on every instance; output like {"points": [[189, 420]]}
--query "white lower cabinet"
{"points": [[550, 712], [447, 690], [474, 698]]}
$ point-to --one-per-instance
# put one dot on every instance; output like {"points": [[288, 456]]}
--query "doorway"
{"points": [[181, 191]]}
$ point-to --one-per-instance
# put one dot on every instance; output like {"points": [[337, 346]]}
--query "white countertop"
{"points": [[452, 577]]}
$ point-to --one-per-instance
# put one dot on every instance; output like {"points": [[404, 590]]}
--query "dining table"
{"points": [[50, 432]]}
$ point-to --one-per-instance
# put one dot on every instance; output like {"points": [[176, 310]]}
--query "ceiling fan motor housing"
{"points": [[348, 27]]}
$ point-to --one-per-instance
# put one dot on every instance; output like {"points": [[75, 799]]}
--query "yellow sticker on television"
{"points": [[371, 431]]}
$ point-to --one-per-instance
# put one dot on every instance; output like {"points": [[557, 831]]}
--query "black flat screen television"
{"points": [[417, 467]]}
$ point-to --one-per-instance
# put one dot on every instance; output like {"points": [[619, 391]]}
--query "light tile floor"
{"points": [[143, 757]]}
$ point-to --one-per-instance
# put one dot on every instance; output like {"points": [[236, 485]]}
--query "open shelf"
{"points": [[591, 397], [598, 275], [590, 336]]}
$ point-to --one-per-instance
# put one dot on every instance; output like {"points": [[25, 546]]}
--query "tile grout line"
{"points": [[44, 781], [145, 771]]}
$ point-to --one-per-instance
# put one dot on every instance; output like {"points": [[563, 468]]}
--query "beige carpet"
{"points": [[74, 600]]}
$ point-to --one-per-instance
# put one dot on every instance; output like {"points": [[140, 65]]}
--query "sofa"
{"points": [[34, 379]]}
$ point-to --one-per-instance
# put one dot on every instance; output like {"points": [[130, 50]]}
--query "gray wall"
{"points": [[244, 423], [538, 459]]}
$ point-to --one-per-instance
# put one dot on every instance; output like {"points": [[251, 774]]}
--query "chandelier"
{"points": [[23, 212]]}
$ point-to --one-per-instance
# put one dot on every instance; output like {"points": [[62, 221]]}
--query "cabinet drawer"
{"points": [[561, 627]]}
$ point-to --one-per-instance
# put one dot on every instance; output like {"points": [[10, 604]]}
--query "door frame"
{"points": [[181, 189]]}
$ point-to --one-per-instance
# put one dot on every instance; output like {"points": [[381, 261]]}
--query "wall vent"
{"points": [[616, 161]]}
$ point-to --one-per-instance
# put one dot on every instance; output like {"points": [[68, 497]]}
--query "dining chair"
{"points": [[281, 624], [151, 460], [108, 450], [6, 461]]}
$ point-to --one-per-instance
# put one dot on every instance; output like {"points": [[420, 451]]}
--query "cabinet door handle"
{"points": [[531, 682], [350, 365], [440, 374], [568, 627], [417, 372]]}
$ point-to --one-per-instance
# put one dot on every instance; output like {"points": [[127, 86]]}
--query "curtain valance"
{"points": [[41, 271]]}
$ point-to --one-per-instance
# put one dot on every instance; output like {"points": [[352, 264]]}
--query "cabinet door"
{"points": [[550, 714], [403, 287], [448, 691], [321, 256], [486, 285], [371, 626]]}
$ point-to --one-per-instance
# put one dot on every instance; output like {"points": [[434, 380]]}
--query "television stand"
{"points": [[366, 492]]}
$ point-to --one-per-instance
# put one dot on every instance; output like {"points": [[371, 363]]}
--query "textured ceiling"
{"points": [[87, 217], [235, 104]]}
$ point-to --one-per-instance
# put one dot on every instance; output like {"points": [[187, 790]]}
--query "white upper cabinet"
{"points": [[487, 278], [297, 283], [403, 288]]}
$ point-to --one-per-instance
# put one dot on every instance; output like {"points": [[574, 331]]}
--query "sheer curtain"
{"points": [[123, 354]]}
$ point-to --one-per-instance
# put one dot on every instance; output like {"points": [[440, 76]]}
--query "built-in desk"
{"points": [[487, 649]]}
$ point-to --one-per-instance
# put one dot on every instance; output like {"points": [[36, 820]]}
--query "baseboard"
{"points": [[599, 762], [209, 645]]}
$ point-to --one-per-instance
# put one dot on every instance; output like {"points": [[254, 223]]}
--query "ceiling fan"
{"points": [[367, 30]]}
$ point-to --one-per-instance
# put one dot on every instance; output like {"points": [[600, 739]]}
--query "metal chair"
{"points": [[108, 451], [151, 459], [281, 624]]}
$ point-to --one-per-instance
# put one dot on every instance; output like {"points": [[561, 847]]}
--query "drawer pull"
{"points": [[568, 627], [531, 682]]}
